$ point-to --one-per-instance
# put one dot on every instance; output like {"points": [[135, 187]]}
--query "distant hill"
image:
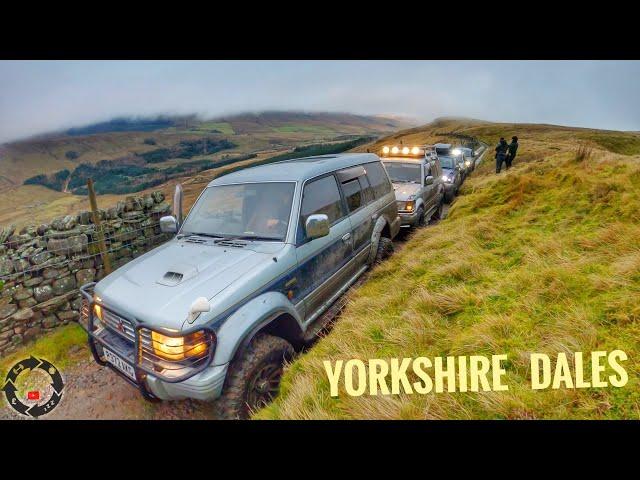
{"points": [[123, 137]]}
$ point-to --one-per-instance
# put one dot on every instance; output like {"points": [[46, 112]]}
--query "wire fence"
{"points": [[70, 248], [74, 255]]}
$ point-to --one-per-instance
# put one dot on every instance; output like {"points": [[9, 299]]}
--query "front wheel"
{"points": [[421, 221], [385, 250], [448, 197], [253, 379], [437, 215]]}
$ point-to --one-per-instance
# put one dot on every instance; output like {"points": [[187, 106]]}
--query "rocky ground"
{"points": [[92, 392]]}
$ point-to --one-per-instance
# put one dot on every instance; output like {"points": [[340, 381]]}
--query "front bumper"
{"points": [[408, 219], [156, 379]]}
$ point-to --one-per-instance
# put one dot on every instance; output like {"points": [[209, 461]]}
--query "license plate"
{"points": [[120, 364]]}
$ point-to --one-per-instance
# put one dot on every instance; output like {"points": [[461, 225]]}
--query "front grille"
{"points": [[118, 324]]}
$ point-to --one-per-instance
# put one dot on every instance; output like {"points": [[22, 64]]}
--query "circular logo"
{"points": [[33, 387]]}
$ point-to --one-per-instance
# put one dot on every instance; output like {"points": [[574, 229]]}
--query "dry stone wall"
{"points": [[42, 266]]}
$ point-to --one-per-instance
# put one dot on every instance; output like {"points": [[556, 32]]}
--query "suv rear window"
{"points": [[378, 179]]}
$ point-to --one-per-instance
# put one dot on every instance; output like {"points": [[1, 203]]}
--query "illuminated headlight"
{"points": [[447, 178], [385, 150], [456, 151], [407, 206], [468, 163], [97, 317], [178, 348]]}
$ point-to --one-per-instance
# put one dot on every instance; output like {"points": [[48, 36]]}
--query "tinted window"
{"points": [[321, 196], [378, 179], [353, 194], [369, 195]]}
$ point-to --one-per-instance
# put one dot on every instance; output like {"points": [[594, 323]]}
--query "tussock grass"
{"points": [[544, 258]]}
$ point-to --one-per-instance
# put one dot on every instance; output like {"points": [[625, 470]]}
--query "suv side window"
{"points": [[367, 189], [353, 194], [378, 179], [321, 196]]}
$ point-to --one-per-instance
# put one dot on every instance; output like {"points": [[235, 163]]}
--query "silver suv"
{"points": [[250, 278], [417, 180]]}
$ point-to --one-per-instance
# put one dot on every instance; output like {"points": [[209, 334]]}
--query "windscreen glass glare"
{"points": [[403, 172], [446, 162], [251, 210]]}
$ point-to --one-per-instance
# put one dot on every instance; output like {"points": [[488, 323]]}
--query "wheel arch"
{"points": [[270, 313]]}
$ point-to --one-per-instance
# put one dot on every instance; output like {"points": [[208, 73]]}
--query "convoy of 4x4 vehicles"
{"points": [[254, 273]]}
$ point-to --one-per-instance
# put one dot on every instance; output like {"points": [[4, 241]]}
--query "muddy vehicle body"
{"points": [[248, 280], [451, 176], [417, 181]]}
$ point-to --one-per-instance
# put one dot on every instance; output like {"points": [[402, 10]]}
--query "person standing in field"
{"points": [[501, 153], [512, 149]]}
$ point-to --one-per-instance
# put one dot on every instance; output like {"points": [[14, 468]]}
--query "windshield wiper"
{"points": [[200, 234], [245, 237]]}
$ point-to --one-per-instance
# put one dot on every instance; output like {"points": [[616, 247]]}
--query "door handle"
{"points": [[346, 237]]}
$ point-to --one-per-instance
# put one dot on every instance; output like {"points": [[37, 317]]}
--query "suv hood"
{"points": [[405, 190], [160, 286]]}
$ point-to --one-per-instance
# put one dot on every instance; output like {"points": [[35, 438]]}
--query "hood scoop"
{"points": [[178, 274]]}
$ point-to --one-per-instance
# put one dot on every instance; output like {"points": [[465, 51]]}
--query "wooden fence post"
{"points": [[106, 260]]}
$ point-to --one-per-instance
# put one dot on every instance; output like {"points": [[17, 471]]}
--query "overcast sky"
{"points": [[41, 96]]}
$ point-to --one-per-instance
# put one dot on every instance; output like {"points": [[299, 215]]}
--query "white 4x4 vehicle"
{"points": [[249, 278], [417, 180]]}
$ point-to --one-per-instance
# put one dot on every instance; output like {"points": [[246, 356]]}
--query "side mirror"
{"points": [[317, 226], [428, 180], [168, 224], [199, 305]]}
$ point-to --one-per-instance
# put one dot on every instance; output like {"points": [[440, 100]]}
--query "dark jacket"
{"points": [[501, 148], [513, 148]]}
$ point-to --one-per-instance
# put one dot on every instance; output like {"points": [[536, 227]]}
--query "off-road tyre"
{"points": [[385, 250], [437, 215], [449, 196], [421, 221], [262, 361]]}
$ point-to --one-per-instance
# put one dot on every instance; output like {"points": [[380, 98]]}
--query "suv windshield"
{"points": [[247, 210], [446, 162], [403, 172]]}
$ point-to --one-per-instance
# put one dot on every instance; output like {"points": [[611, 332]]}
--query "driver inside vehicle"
{"points": [[269, 216]]}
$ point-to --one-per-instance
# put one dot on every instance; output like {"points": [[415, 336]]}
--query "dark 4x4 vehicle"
{"points": [[451, 176]]}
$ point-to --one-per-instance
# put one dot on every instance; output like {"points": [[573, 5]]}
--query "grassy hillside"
{"points": [[542, 259]]}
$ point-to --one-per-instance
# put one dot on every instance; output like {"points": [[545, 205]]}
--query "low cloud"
{"points": [[43, 96]]}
